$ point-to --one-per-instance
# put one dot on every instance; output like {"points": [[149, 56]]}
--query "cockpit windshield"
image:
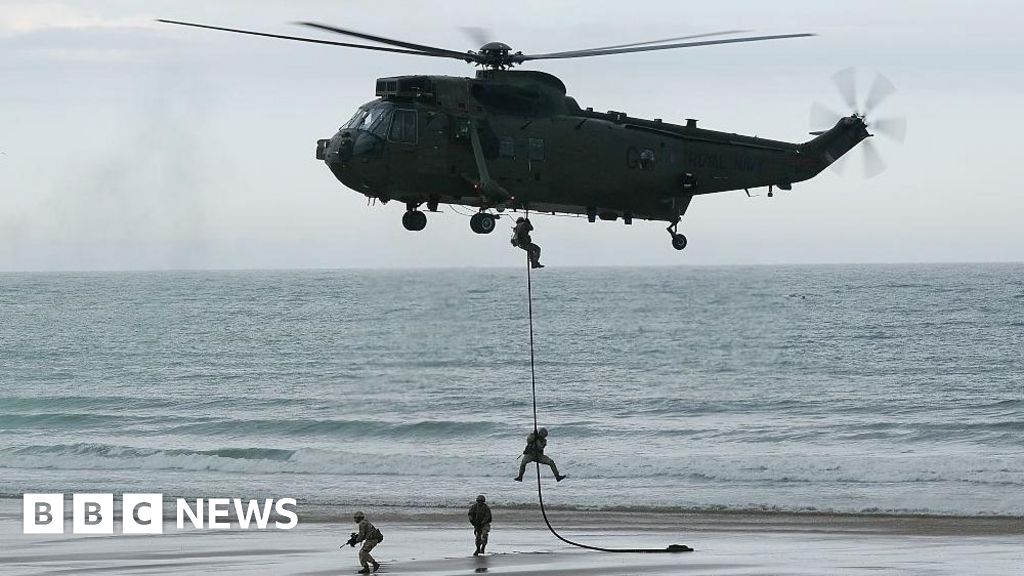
{"points": [[373, 118], [356, 119]]}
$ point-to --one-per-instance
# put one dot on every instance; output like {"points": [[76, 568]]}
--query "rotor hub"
{"points": [[497, 56], [495, 46]]}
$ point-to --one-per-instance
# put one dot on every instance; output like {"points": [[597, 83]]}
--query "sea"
{"points": [[851, 389]]}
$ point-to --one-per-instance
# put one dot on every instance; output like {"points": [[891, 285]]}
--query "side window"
{"points": [[507, 147], [403, 127], [536, 149], [461, 131], [646, 159]]}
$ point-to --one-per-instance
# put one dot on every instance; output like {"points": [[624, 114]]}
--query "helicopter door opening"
{"points": [[402, 139], [433, 144]]}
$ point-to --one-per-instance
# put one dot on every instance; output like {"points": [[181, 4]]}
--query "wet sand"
{"points": [[439, 542]]}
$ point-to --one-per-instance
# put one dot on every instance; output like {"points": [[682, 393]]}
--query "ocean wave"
{"points": [[71, 420], [227, 427], [128, 452], [1010, 403], [352, 428], [762, 469], [55, 404], [994, 432]]}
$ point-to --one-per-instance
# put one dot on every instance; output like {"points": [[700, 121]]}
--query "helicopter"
{"points": [[513, 139]]}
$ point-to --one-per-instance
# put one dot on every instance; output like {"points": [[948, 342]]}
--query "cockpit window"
{"points": [[356, 120], [377, 118]]}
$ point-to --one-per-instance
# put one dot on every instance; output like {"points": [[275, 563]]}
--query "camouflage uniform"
{"points": [[521, 234], [369, 536], [535, 453], [480, 518]]}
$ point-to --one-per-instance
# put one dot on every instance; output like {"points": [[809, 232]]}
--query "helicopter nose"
{"points": [[336, 150]]}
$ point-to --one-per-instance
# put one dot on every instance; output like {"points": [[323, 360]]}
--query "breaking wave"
{"points": [[692, 469], [218, 427]]}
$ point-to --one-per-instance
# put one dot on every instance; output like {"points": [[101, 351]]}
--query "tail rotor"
{"points": [[893, 127]]}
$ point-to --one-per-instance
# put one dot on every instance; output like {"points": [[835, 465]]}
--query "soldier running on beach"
{"points": [[480, 518], [534, 452], [370, 536]]}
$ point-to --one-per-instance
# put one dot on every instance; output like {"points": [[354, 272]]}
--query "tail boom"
{"points": [[831, 145]]}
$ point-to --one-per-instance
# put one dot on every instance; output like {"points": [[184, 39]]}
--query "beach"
{"points": [[436, 541]]}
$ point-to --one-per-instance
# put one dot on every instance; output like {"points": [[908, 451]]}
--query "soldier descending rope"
{"points": [[521, 239], [535, 444]]}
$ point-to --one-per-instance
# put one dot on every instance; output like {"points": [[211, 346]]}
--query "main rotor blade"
{"points": [[586, 53], [823, 118], [895, 127], [678, 38], [846, 83], [400, 43], [297, 38], [873, 163], [881, 89]]}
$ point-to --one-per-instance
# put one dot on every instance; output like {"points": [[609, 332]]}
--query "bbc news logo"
{"points": [[144, 513]]}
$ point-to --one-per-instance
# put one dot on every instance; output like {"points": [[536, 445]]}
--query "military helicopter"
{"points": [[513, 139]]}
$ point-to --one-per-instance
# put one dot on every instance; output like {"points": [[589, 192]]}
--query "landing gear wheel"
{"points": [[414, 220], [482, 223], [678, 241]]}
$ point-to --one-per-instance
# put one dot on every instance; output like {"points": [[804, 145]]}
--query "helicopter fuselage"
{"points": [[513, 139], [536, 149]]}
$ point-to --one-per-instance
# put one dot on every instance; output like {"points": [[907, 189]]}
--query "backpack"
{"points": [[377, 534], [536, 447]]}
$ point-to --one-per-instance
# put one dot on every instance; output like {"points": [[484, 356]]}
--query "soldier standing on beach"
{"points": [[370, 536], [534, 452], [480, 518]]}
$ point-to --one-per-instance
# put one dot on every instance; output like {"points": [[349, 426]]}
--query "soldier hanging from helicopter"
{"points": [[534, 452], [521, 239]]}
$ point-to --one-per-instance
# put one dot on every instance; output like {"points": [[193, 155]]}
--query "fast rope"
{"points": [[540, 491]]}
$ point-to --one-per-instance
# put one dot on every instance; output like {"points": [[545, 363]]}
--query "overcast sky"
{"points": [[126, 144]]}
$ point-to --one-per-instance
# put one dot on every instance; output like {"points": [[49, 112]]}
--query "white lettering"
{"points": [[185, 510], [144, 513], [218, 508], [293, 518], [252, 512]]}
